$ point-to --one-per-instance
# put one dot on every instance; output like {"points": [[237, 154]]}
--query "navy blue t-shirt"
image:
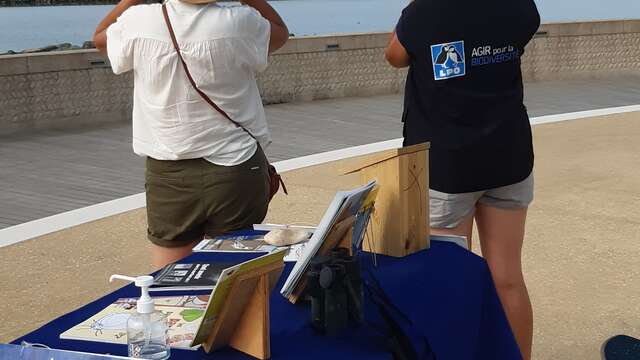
{"points": [[464, 90]]}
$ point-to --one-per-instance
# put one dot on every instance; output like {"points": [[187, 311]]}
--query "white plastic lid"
{"points": [[144, 305]]}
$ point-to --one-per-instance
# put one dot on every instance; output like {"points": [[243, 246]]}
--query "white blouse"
{"points": [[224, 46]]}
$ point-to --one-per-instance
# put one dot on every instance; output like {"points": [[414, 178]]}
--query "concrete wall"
{"points": [[583, 50], [62, 89], [76, 88], [330, 66]]}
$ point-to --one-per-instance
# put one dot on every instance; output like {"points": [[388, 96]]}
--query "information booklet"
{"points": [[344, 205], [294, 252], [197, 276], [190, 317], [248, 243], [362, 220], [234, 243], [184, 315]]}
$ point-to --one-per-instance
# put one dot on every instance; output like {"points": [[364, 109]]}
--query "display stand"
{"points": [[339, 236], [243, 323]]}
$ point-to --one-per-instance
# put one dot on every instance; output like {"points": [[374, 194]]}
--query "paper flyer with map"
{"points": [[190, 317], [184, 315]]}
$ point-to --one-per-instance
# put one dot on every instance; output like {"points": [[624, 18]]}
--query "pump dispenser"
{"points": [[147, 336]]}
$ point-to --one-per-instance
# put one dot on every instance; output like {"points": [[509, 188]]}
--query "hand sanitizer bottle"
{"points": [[147, 336]]}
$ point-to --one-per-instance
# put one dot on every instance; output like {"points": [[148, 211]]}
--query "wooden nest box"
{"points": [[401, 217]]}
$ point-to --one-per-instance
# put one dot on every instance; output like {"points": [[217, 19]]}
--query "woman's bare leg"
{"points": [[501, 235], [162, 256]]}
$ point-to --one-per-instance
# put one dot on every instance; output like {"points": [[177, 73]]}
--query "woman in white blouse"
{"points": [[204, 175]]}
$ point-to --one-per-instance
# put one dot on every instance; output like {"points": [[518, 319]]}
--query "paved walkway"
{"points": [[50, 172], [580, 253]]}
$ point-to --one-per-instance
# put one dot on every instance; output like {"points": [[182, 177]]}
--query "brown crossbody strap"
{"points": [[193, 83], [275, 181]]}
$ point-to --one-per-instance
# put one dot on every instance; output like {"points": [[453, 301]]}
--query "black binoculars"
{"points": [[334, 286]]}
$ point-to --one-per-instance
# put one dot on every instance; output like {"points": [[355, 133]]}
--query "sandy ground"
{"points": [[582, 258]]}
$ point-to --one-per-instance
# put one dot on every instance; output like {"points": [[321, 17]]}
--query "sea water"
{"points": [[31, 27]]}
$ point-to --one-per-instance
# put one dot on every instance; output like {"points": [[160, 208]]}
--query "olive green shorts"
{"points": [[187, 199]]}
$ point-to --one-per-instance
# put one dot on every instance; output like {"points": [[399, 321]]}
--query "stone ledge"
{"points": [[88, 59], [49, 89], [590, 28], [51, 61], [308, 44], [13, 65]]}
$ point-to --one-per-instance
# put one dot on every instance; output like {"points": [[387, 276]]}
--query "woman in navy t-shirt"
{"points": [[464, 94]]}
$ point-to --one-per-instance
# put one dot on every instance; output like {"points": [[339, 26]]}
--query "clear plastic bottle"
{"points": [[147, 329], [147, 336]]}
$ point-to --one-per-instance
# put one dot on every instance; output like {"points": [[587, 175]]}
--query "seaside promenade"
{"points": [[581, 248], [48, 172], [580, 253]]}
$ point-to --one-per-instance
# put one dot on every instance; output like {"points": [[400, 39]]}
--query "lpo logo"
{"points": [[448, 60]]}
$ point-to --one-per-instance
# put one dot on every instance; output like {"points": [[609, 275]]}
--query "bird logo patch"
{"points": [[448, 60]]}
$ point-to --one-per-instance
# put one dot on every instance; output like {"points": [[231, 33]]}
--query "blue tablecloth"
{"points": [[446, 293]]}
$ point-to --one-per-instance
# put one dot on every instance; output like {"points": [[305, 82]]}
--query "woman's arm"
{"points": [[279, 30], [100, 36], [396, 54]]}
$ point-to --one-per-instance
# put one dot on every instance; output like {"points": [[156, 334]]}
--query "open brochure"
{"points": [[190, 317], [184, 315], [248, 244], [234, 243], [343, 205]]}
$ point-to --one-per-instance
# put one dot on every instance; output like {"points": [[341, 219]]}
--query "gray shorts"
{"points": [[446, 211]]}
